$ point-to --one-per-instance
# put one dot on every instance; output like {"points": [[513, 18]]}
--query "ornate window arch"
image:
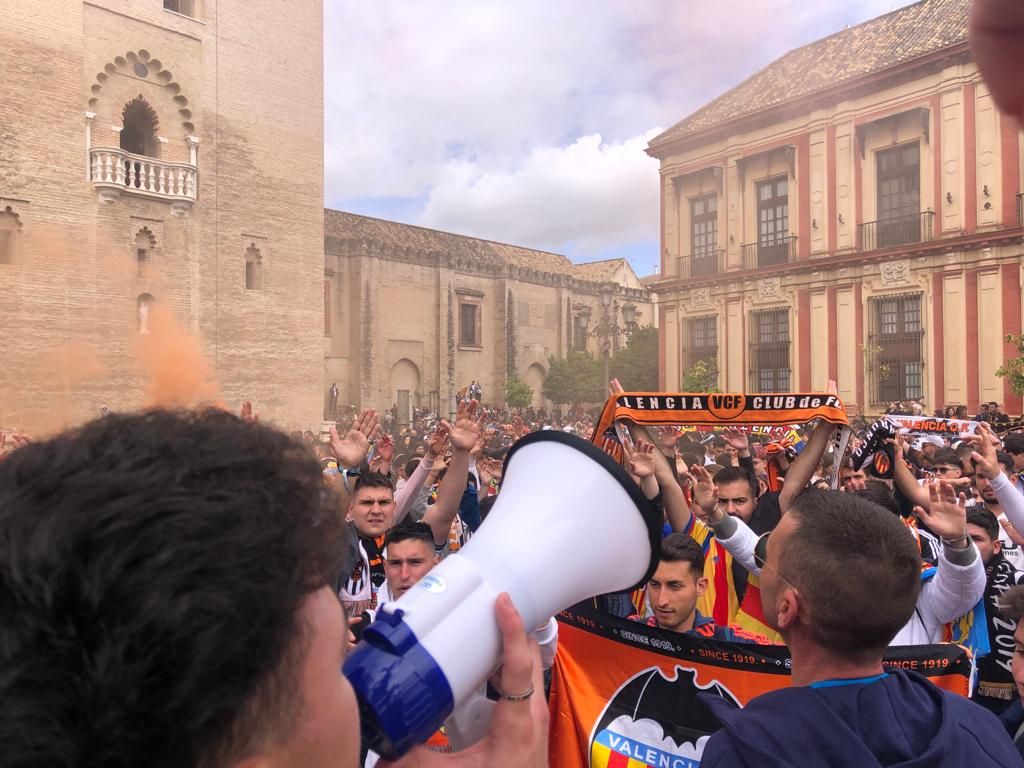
{"points": [[144, 244], [140, 125]]}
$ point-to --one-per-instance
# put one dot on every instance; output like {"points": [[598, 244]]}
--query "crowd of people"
{"points": [[927, 552], [170, 581]]}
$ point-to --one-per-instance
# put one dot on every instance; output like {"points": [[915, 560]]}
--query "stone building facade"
{"points": [[152, 151], [852, 212], [412, 315]]}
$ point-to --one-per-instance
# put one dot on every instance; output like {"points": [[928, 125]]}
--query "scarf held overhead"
{"points": [[717, 409]]}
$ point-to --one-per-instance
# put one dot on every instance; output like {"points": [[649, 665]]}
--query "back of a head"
{"points": [[151, 575], [856, 566], [1014, 443], [877, 492]]}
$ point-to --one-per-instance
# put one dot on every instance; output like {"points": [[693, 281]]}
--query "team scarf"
{"points": [[718, 409], [934, 426], [995, 678], [874, 441]]}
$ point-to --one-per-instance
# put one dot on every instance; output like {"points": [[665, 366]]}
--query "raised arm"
{"points": [[917, 494], [406, 497], [959, 582], [463, 437], [802, 469], [985, 458]]}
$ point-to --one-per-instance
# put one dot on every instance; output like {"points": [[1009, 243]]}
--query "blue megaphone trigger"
{"points": [[403, 695]]}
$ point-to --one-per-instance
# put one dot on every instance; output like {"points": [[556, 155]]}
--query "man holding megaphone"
{"points": [[181, 613]]}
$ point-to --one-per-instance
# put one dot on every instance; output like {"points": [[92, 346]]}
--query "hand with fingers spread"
{"points": [[946, 515], [705, 492], [518, 735], [985, 454], [17, 440], [351, 450], [641, 467], [438, 441], [739, 440], [248, 414], [386, 449], [614, 388], [468, 427]]}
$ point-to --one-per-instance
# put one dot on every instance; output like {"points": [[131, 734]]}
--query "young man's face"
{"points": [[737, 499], [326, 731], [986, 546], [852, 479], [373, 511], [984, 488], [406, 563], [673, 592]]}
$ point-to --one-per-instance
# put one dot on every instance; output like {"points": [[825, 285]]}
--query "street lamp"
{"points": [[608, 329]]}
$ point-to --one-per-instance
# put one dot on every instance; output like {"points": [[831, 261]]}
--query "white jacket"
{"points": [[953, 591]]}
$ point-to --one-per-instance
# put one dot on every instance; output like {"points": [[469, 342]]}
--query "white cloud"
{"points": [[499, 102], [585, 197]]}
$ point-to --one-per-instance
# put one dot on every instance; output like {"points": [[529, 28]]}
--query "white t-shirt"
{"points": [[1011, 551]]}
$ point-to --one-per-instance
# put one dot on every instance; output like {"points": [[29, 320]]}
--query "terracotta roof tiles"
{"points": [[865, 49]]}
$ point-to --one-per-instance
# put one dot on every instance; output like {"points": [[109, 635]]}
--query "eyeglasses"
{"points": [[761, 558], [948, 469]]}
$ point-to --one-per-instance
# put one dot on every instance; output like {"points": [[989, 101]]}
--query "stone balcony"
{"points": [[114, 172]]}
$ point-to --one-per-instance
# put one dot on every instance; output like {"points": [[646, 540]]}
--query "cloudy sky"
{"points": [[525, 121]]}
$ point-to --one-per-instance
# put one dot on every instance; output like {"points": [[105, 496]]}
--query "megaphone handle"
{"points": [[469, 723]]}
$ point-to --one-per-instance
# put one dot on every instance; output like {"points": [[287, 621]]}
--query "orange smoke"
{"points": [[172, 359]]}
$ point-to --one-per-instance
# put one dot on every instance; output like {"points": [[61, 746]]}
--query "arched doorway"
{"points": [[535, 376], [404, 388]]}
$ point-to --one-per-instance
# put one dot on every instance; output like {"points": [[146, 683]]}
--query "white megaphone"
{"points": [[568, 524]]}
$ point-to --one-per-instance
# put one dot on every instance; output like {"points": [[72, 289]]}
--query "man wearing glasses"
{"points": [[840, 582], [951, 591]]}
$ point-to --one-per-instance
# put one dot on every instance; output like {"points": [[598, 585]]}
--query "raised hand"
{"points": [[437, 442], [738, 439], [468, 427], [386, 449], [351, 450], [641, 460], [985, 454], [705, 492], [946, 515]]}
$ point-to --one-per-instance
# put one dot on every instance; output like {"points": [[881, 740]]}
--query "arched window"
{"points": [[142, 307], [253, 268], [138, 134], [144, 245]]}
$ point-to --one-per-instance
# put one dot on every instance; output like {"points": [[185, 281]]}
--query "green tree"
{"points": [[700, 377], [518, 394], [1013, 367], [579, 378], [636, 365]]}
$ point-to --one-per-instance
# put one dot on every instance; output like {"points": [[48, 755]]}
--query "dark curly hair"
{"points": [[151, 572]]}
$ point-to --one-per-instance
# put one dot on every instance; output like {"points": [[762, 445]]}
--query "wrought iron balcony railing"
{"points": [[900, 230], [706, 262], [767, 253]]}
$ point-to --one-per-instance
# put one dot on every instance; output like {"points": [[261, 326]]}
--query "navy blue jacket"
{"points": [[1012, 719], [902, 720]]}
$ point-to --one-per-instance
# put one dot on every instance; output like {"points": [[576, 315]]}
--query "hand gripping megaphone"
{"points": [[568, 524]]}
